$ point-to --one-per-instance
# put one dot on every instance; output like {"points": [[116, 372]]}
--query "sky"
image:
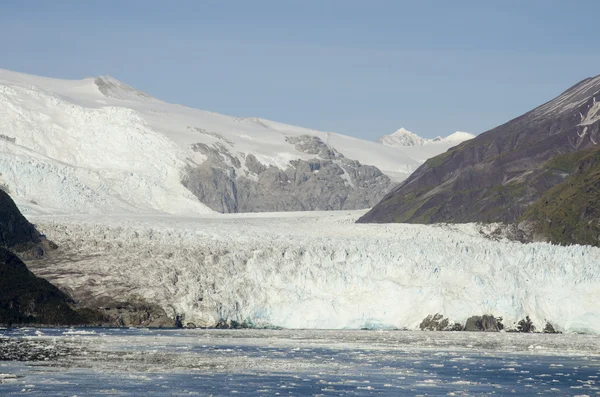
{"points": [[361, 68]]}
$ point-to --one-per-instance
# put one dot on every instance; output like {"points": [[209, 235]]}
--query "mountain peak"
{"points": [[403, 137], [403, 131], [459, 136]]}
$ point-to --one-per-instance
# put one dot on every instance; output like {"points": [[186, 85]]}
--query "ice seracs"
{"points": [[321, 270]]}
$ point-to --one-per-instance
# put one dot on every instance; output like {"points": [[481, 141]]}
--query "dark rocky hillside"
{"points": [[516, 172], [25, 298], [16, 233]]}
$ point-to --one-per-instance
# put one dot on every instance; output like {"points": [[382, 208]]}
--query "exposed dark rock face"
{"points": [[499, 174], [457, 327], [485, 323], [231, 324], [178, 323], [27, 299], [549, 329], [313, 145], [120, 310], [526, 325], [132, 314], [437, 322], [330, 181], [16, 233]]}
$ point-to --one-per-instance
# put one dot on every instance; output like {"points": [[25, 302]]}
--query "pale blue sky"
{"points": [[363, 68]]}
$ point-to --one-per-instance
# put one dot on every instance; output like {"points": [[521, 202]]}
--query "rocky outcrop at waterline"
{"points": [[482, 323]]}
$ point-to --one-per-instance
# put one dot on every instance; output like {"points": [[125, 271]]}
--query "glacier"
{"points": [[320, 270]]}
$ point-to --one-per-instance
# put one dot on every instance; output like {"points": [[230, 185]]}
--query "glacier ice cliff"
{"points": [[320, 270]]}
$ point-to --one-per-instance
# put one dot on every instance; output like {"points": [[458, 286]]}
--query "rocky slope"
{"points": [[329, 181], [501, 174], [99, 146], [25, 298], [16, 233]]}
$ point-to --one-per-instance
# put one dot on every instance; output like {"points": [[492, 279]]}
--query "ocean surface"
{"points": [[144, 362]]}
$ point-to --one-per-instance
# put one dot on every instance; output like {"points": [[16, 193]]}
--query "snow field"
{"points": [[100, 146]]}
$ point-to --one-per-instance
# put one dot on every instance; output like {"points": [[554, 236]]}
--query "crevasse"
{"points": [[322, 271]]}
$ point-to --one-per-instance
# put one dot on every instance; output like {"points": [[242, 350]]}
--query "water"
{"points": [[138, 362]]}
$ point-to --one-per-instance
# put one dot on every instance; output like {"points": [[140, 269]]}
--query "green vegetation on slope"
{"points": [[569, 213], [439, 159]]}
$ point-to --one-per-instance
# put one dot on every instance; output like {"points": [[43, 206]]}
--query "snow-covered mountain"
{"points": [[403, 138], [97, 145], [124, 159]]}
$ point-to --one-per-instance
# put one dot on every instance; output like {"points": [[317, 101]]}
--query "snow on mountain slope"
{"points": [[98, 145], [65, 150], [403, 138], [458, 137], [321, 270]]}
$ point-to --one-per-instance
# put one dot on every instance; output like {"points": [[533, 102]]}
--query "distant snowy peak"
{"points": [[458, 136], [403, 138]]}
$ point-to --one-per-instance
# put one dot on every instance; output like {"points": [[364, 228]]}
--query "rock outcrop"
{"points": [[25, 298], [329, 181], [485, 323], [16, 233], [526, 325], [549, 329], [134, 314], [526, 164], [437, 322]]}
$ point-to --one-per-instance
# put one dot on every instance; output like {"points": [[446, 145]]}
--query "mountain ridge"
{"points": [[403, 137], [500, 173], [98, 145]]}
